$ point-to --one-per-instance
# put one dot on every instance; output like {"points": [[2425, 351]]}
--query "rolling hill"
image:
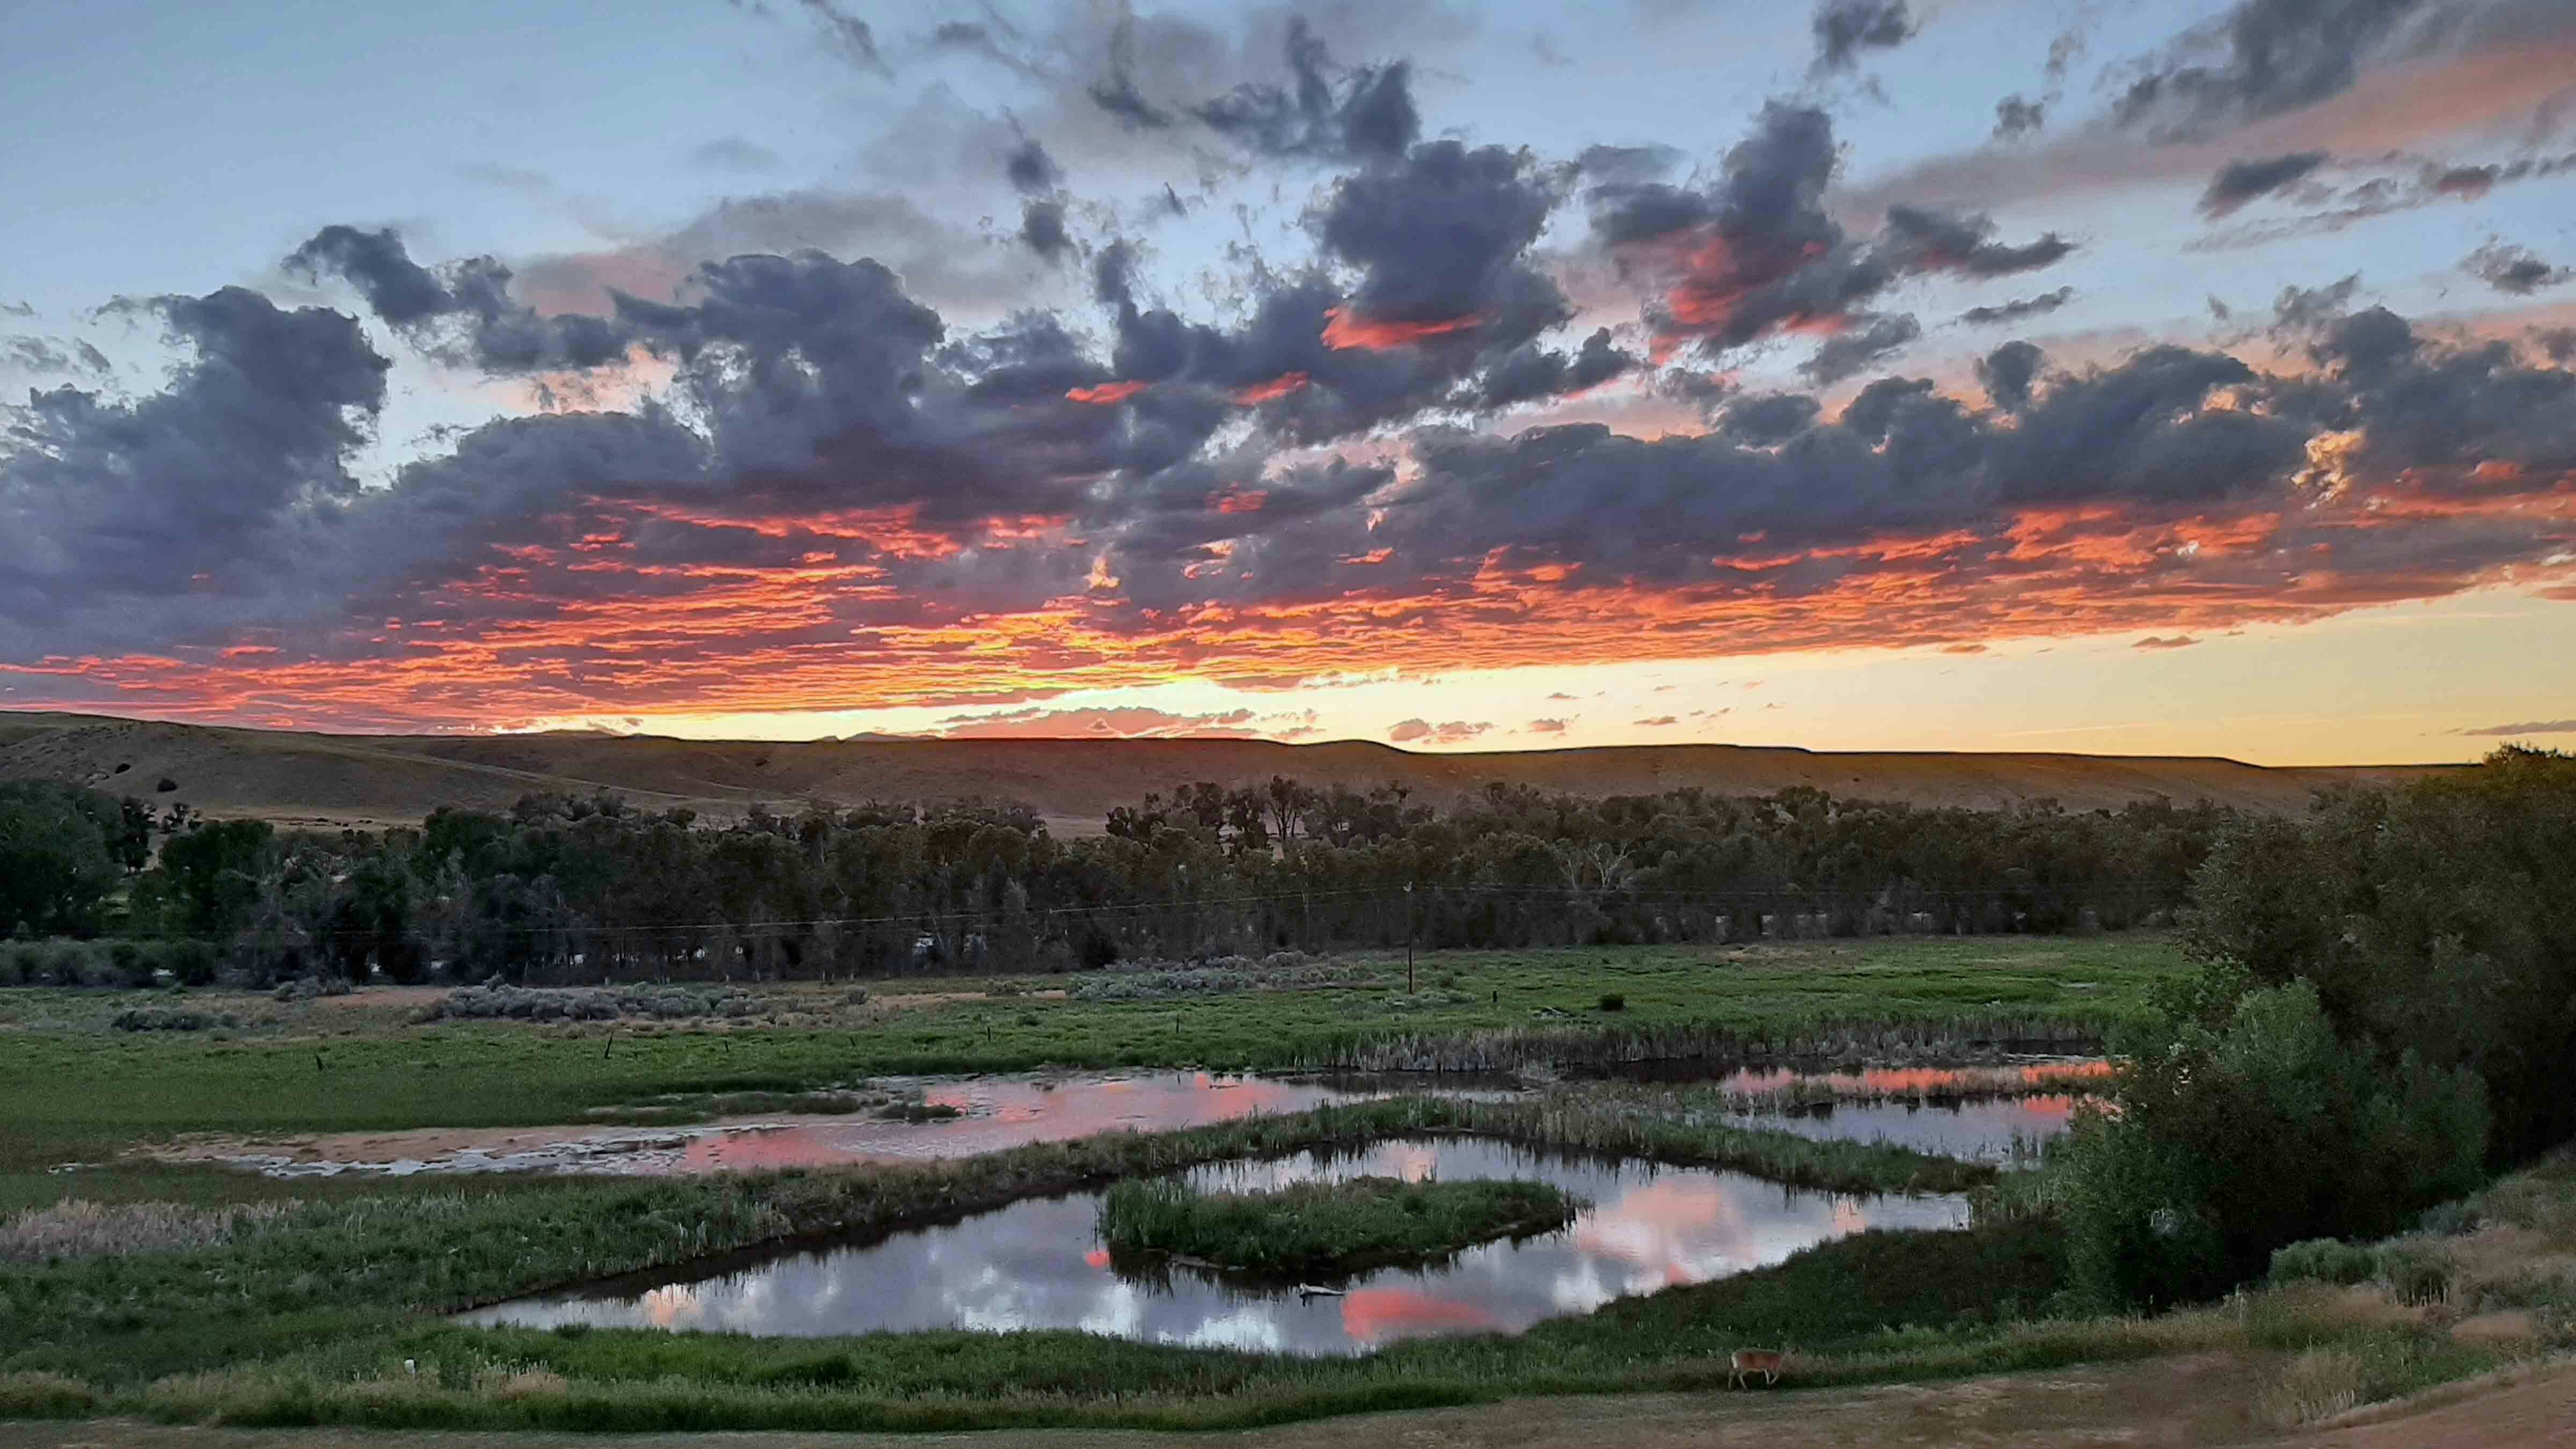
{"points": [[318, 779]]}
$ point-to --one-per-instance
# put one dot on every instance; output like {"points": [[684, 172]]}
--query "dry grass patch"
{"points": [[77, 1229]]}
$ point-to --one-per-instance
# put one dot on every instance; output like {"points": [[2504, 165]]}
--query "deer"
{"points": [[1746, 1362]]}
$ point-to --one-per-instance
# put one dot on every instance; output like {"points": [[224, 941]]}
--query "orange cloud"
{"points": [[1344, 328], [1106, 393], [1277, 387]]}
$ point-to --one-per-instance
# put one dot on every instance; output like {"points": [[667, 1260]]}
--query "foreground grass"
{"points": [[259, 1331], [1327, 1230], [78, 1091]]}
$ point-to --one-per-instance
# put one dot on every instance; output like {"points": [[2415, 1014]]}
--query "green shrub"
{"points": [[1326, 1229], [46, 1396], [2324, 1260], [193, 962], [2246, 1125], [2416, 1272]]}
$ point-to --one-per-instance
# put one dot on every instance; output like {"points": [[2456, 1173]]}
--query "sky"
{"points": [[2118, 376]]}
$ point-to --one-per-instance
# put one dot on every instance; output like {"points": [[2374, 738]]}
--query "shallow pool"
{"points": [[1039, 1264]]}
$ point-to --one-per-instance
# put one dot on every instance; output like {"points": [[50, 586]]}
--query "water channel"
{"points": [[1039, 1264]]}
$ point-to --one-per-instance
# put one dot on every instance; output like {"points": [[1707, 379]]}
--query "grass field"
{"points": [[214, 1295], [1875, 1307], [80, 1091]]}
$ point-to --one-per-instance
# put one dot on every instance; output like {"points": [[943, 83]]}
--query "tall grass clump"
{"points": [[75, 1229], [1327, 1229]]}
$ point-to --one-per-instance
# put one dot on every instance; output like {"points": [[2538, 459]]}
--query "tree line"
{"points": [[565, 888]]}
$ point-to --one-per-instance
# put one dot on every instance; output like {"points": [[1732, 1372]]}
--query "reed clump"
{"points": [[1327, 1230]]}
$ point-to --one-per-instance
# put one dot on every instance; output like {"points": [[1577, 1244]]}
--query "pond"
{"points": [[1001, 1112], [1039, 1263]]}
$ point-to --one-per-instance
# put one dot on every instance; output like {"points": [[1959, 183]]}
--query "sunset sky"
{"points": [[2127, 376]]}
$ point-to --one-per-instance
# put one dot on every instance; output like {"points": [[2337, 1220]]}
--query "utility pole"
{"points": [[1408, 938]]}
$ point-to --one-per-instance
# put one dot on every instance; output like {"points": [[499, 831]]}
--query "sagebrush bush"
{"points": [[543, 1003]]}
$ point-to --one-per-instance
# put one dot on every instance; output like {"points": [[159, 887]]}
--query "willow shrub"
{"points": [[2241, 1126]]}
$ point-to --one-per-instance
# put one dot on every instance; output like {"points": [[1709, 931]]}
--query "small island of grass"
{"points": [[1326, 1230]]}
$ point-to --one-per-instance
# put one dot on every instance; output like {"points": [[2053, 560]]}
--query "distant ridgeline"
{"points": [[562, 888]]}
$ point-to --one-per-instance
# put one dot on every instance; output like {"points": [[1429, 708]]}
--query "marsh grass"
{"points": [[338, 1266], [76, 1229], [78, 1091], [1325, 1231], [1874, 1307]]}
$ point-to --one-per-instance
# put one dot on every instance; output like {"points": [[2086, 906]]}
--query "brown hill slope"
{"points": [[379, 779]]}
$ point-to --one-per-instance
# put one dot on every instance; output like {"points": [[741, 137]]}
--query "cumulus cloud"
{"points": [[1753, 252], [1451, 732], [2019, 310], [2239, 182], [858, 477], [465, 312], [1845, 28], [1322, 112], [2018, 116], [2514, 270], [2178, 641], [1546, 726], [1856, 349]]}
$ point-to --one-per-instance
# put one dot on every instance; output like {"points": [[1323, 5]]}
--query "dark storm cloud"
{"points": [[2008, 372], [2016, 117], [143, 496], [2418, 186], [2304, 311], [1484, 206], [2019, 310], [2424, 406], [1615, 165], [1756, 252], [2149, 433], [1923, 239], [1042, 229], [1322, 112], [1032, 171], [1858, 349], [2239, 182], [1845, 28], [2262, 58], [2512, 269], [1531, 373], [1764, 420], [489, 330], [1181, 464]]}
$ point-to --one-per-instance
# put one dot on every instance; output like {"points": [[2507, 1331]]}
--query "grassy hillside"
{"points": [[379, 779]]}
